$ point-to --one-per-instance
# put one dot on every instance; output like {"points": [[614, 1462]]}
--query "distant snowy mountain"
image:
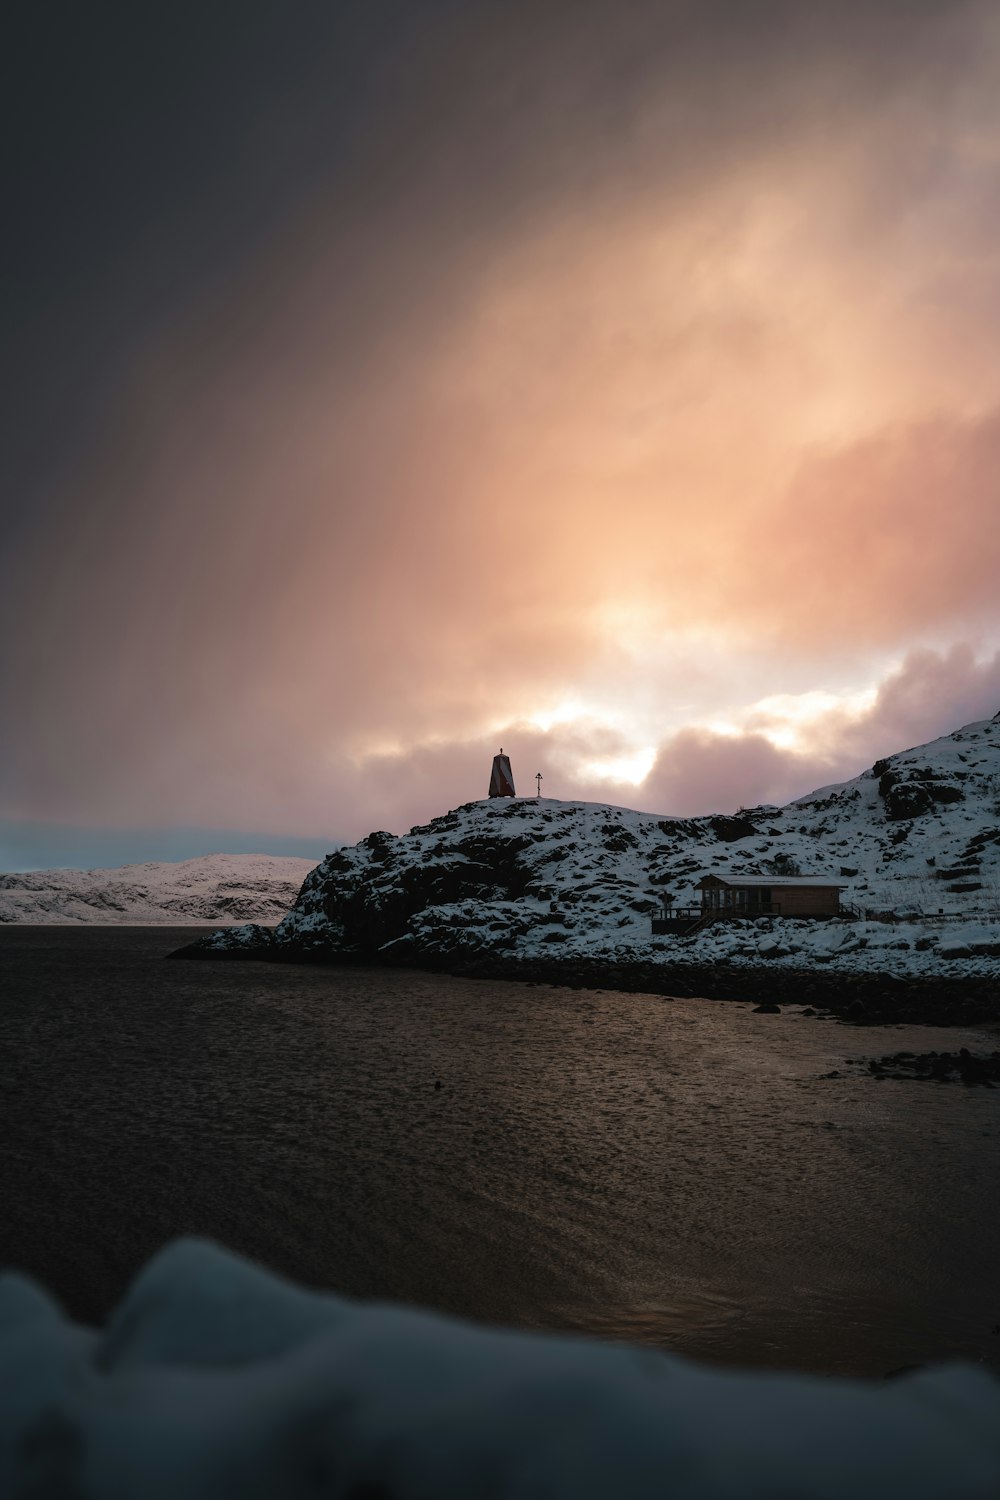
{"points": [[917, 836], [215, 888]]}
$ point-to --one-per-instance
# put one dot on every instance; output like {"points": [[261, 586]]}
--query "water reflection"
{"points": [[674, 1172]]}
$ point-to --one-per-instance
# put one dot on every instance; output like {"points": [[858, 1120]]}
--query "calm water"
{"points": [[671, 1171]]}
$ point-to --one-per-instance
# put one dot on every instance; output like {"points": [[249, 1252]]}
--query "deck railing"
{"points": [[677, 919], [755, 909]]}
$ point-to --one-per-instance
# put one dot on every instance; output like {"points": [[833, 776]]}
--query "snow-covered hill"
{"points": [[215, 888], [916, 837]]}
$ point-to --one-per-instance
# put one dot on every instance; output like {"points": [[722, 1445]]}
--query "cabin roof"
{"points": [[772, 881]]}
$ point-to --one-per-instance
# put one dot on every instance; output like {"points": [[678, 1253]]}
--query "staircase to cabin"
{"points": [[705, 920]]}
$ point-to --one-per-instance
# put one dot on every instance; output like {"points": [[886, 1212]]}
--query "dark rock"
{"points": [[982, 1070], [943, 792], [909, 799], [729, 829], [380, 844]]}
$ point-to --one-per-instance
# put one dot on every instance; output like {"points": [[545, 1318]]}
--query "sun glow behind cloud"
{"points": [[564, 711], [794, 721], [628, 770], [797, 722]]}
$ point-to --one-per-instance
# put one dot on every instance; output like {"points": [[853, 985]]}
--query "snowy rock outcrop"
{"points": [[915, 839], [214, 1378], [214, 888]]}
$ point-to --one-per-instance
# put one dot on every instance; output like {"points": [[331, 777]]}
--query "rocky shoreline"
{"points": [[974, 1070], [864, 1000], [874, 999]]}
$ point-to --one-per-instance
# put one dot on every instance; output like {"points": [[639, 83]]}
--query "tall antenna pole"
{"points": [[538, 783]]}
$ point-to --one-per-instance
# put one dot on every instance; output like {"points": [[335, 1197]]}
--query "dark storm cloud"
{"points": [[156, 149]]}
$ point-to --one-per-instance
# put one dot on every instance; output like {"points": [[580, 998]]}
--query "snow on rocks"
{"points": [[915, 840], [216, 1378], [213, 888]]}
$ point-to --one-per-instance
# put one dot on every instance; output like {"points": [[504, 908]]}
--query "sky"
{"points": [[615, 383]]}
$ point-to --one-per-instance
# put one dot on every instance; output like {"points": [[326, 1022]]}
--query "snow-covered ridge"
{"points": [[214, 888], [214, 1378], [916, 837]]}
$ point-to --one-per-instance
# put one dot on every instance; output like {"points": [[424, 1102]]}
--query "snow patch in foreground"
{"points": [[214, 1378]]}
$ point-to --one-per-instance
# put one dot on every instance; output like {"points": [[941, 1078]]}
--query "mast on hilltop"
{"points": [[502, 779]]}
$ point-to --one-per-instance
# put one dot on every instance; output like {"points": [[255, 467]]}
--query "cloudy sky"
{"points": [[388, 382]]}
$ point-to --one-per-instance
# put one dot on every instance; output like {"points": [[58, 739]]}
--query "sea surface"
{"points": [[675, 1172]]}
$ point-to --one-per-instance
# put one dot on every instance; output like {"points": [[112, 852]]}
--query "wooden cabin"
{"points": [[725, 896]]}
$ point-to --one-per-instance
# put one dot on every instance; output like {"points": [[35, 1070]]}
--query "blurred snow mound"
{"points": [[215, 1379]]}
